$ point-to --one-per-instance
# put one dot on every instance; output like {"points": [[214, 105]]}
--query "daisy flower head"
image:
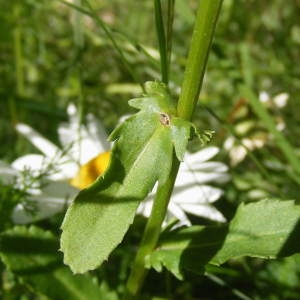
{"points": [[60, 165], [79, 144]]}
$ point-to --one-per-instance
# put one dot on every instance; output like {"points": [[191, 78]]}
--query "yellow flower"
{"points": [[90, 171]]}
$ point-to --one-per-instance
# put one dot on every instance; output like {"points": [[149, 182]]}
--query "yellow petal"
{"points": [[90, 171]]}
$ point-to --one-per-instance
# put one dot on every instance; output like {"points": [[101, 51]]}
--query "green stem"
{"points": [[170, 20], [206, 19], [78, 28], [12, 110], [203, 33], [160, 30], [17, 36], [78, 35], [246, 64], [79, 45], [151, 234]]}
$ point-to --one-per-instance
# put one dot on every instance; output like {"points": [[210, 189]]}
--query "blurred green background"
{"points": [[50, 56]]}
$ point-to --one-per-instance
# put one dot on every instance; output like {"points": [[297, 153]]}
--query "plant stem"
{"points": [[160, 31], [246, 64], [206, 19], [151, 234], [169, 38], [78, 34], [17, 36], [203, 32], [78, 28]]}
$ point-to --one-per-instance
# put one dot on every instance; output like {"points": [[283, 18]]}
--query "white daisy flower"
{"points": [[80, 144], [78, 163]]}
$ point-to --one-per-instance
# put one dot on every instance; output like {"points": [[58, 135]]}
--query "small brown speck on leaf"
{"points": [[164, 119]]}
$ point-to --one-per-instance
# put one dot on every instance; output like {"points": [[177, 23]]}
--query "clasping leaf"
{"points": [[142, 154]]}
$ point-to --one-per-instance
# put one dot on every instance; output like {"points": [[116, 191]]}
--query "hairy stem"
{"points": [[160, 30], [17, 36], [206, 19], [169, 31], [151, 234]]}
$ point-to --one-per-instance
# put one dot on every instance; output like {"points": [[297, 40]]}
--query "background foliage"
{"points": [[43, 67]]}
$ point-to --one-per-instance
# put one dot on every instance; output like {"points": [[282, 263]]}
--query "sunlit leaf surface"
{"points": [[266, 229], [142, 154]]}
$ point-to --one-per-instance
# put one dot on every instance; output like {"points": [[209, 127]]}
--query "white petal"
{"points": [[67, 135], [63, 170], [229, 143], [280, 100], [210, 166], [98, 133], [70, 133], [55, 169], [72, 110], [237, 154], [209, 177], [196, 194], [73, 114], [264, 96], [202, 155], [46, 207], [84, 143], [178, 213], [205, 211], [44, 145], [188, 177], [85, 149], [145, 208], [185, 178], [35, 162]]}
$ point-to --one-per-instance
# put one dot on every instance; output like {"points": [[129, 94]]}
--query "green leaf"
{"points": [[156, 99], [32, 255], [142, 154], [265, 229], [180, 131], [189, 248]]}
